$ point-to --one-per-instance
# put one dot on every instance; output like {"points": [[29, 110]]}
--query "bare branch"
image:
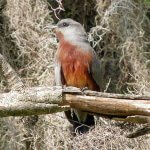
{"points": [[139, 132], [31, 100]]}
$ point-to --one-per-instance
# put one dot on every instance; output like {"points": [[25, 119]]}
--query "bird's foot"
{"points": [[83, 90]]}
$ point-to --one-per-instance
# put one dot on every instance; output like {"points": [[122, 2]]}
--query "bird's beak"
{"points": [[53, 27]]}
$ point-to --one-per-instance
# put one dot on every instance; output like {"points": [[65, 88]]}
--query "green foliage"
{"points": [[147, 2]]}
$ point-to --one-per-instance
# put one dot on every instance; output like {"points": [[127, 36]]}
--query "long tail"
{"points": [[78, 125]]}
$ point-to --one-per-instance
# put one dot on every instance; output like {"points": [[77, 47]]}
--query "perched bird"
{"points": [[76, 64]]}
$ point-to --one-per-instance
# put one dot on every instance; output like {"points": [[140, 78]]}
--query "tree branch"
{"points": [[42, 100], [139, 132], [32, 101]]}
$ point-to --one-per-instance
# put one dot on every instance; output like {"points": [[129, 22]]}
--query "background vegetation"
{"points": [[119, 31]]}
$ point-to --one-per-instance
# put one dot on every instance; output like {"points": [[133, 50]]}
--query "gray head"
{"points": [[71, 30]]}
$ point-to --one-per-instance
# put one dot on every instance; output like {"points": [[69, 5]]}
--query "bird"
{"points": [[77, 65]]}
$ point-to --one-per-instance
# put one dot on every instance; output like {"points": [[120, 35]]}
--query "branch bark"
{"points": [[44, 100], [31, 101], [109, 106]]}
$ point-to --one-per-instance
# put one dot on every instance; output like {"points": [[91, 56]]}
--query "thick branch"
{"points": [[32, 101], [44, 100], [109, 106]]}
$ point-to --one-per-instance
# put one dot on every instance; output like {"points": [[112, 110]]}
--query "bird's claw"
{"points": [[84, 89]]}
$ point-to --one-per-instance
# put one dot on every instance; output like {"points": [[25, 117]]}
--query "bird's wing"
{"points": [[96, 71], [58, 80]]}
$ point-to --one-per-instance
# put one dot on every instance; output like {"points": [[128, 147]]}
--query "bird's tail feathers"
{"points": [[80, 120]]}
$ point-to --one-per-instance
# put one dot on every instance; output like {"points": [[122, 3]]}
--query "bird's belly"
{"points": [[76, 79], [77, 75]]}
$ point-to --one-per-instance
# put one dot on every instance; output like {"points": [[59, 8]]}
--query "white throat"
{"points": [[78, 39]]}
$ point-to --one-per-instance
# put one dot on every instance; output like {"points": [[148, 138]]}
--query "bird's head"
{"points": [[70, 30]]}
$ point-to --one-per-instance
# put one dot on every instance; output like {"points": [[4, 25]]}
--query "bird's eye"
{"points": [[65, 24]]}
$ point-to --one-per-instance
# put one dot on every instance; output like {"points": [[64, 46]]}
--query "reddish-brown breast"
{"points": [[75, 65]]}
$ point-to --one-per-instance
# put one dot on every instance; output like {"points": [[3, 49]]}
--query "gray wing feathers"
{"points": [[97, 72], [58, 73]]}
